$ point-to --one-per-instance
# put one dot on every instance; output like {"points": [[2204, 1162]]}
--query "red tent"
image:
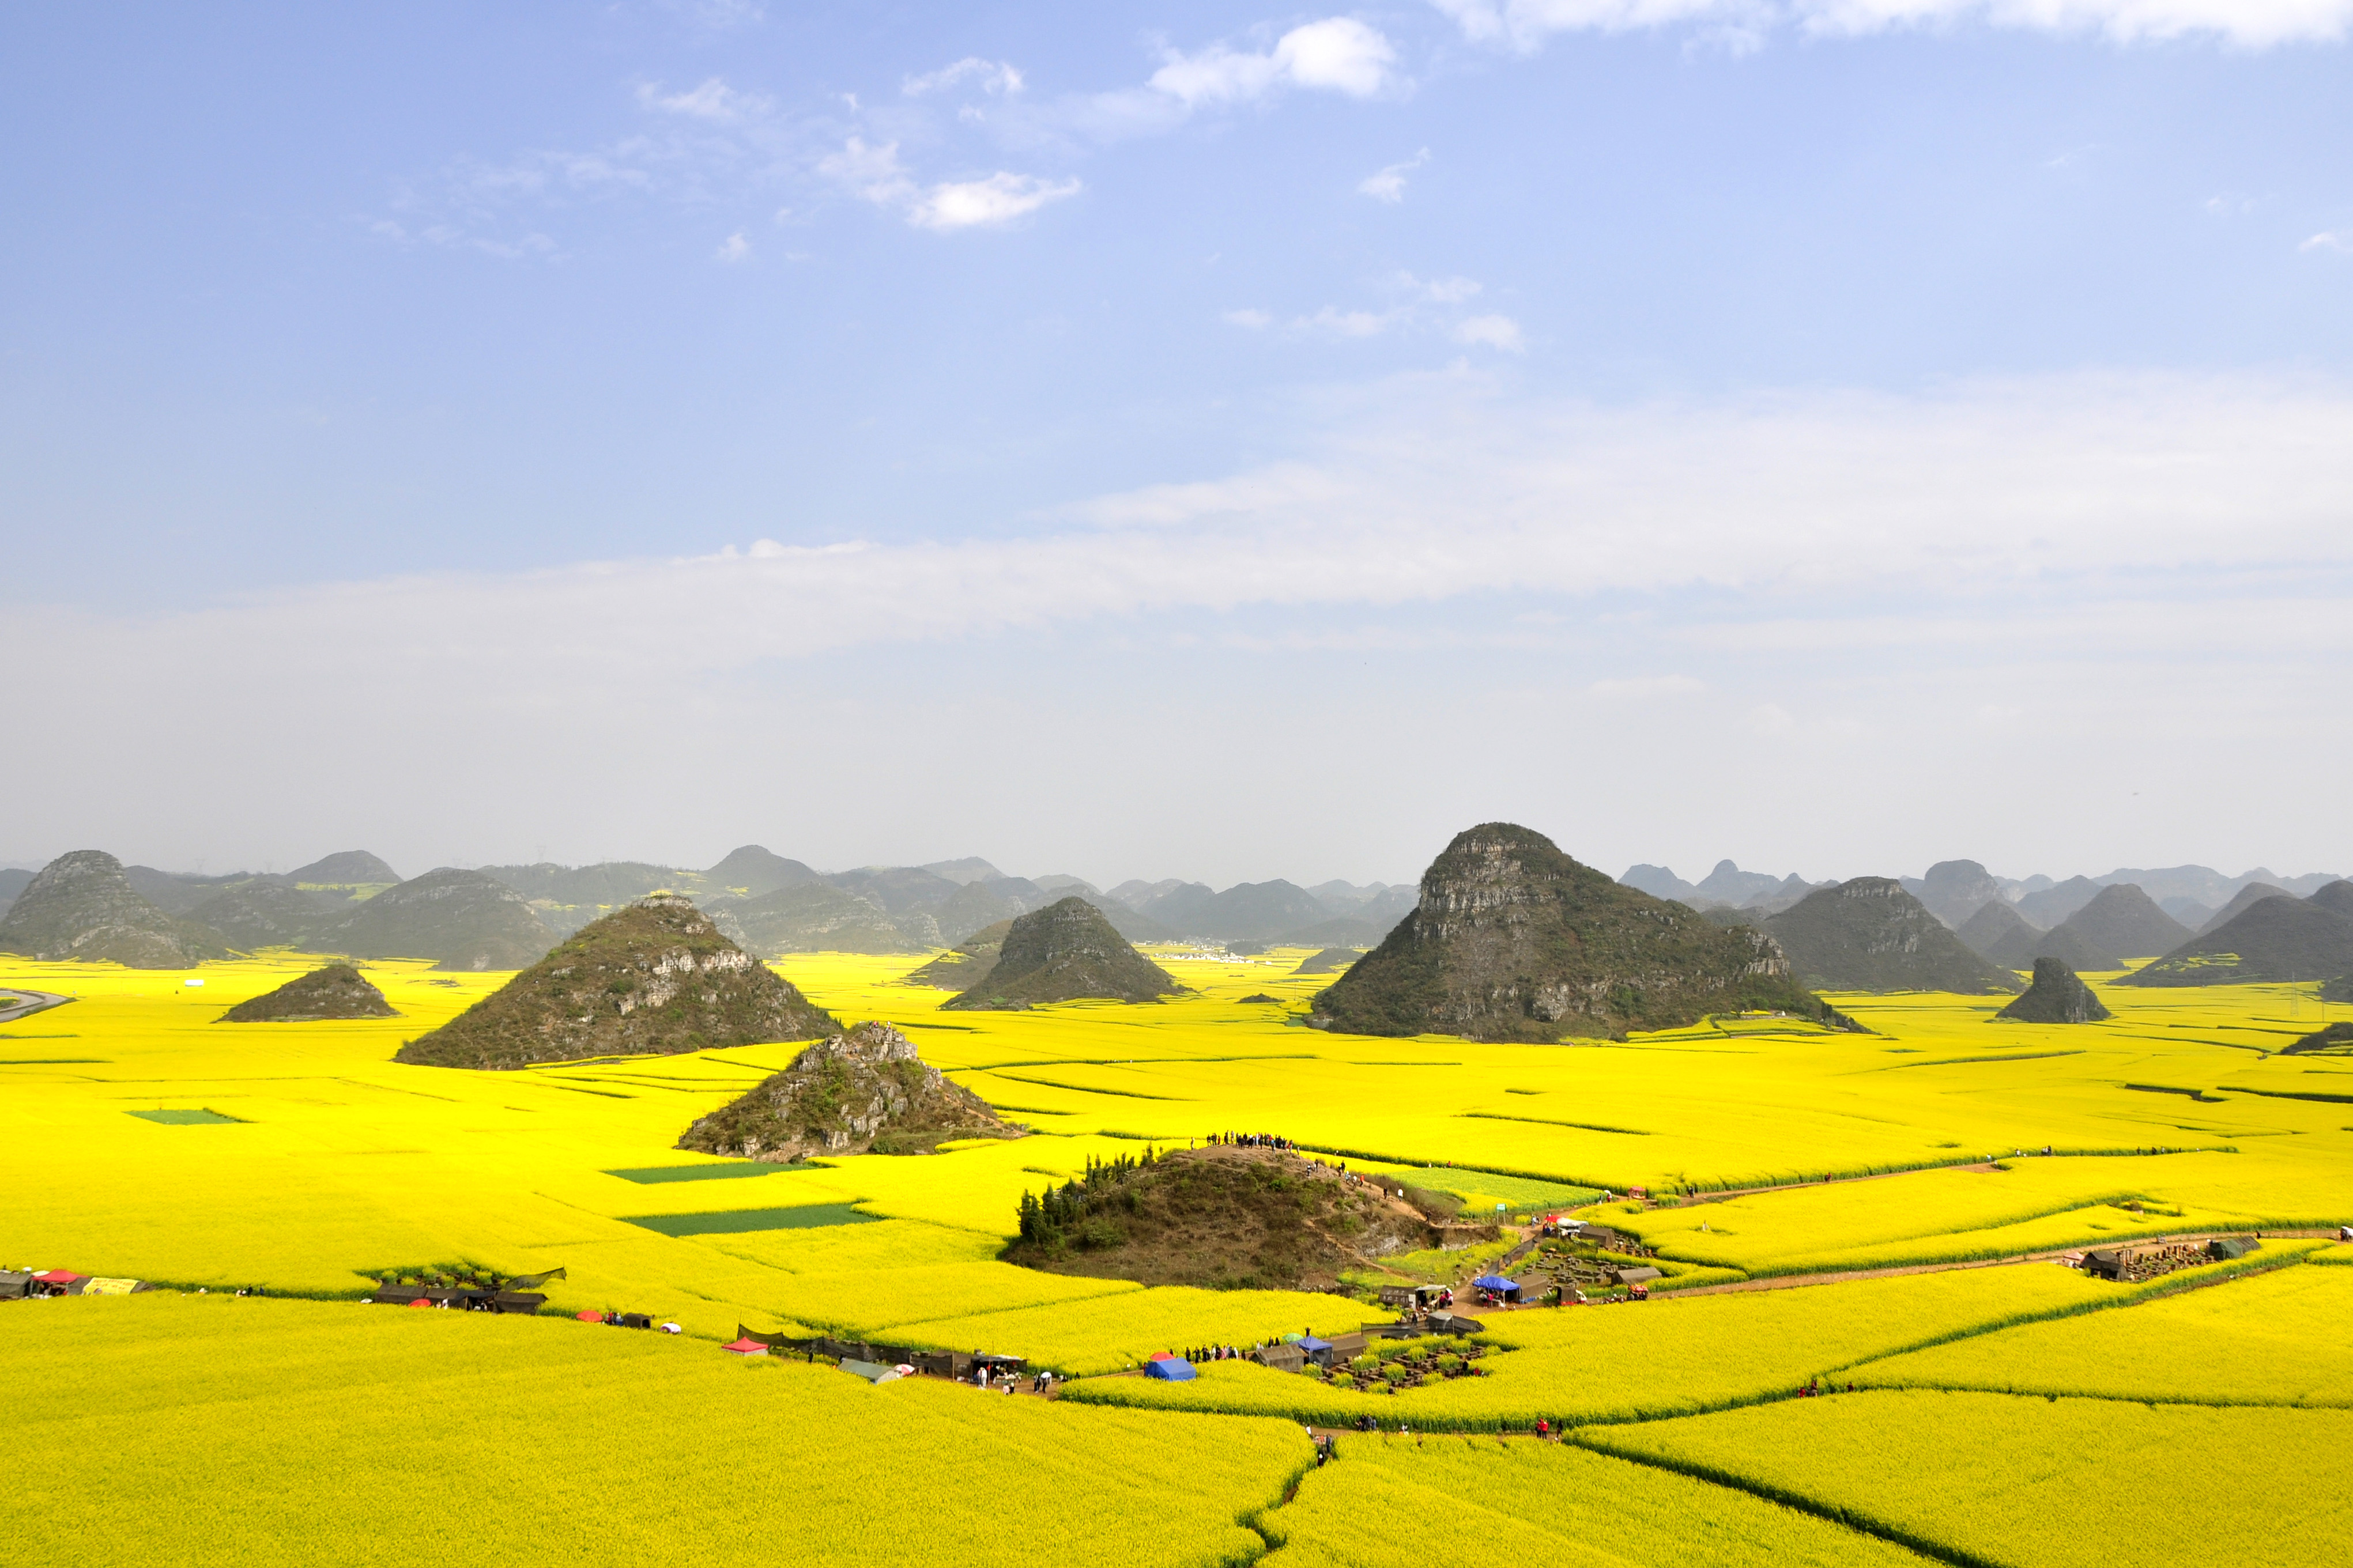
{"points": [[58, 1277], [746, 1347]]}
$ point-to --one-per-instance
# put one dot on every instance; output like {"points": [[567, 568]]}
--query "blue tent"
{"points": [[1169, 1369], [1495, 1282]]}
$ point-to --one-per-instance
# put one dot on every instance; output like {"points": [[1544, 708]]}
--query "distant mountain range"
{"points": [[2194, 897]]}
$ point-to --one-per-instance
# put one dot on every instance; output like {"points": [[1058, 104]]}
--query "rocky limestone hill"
{"points": [[1869, 934], [975, 907], [813, 917], [967, 963], [1065, 952], [1956, 890], [1221, 1217], [654, 979], [1330, 961], [345, 869], [863, 1091], [2271, 940], [2126, 921], [80, 906], [752, 870], [333, 991], [2240, 902], [2022, 948], [2336, 895], [460, 920], [2057, 996], [1994, 924], [263, 914], [1514, 941]]}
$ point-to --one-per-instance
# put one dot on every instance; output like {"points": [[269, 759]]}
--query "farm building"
{"points": [[2229, 1249], [1337, 1350], [1639, 1276], [1282, 1358], [1453, 1323], [871, 1370]]}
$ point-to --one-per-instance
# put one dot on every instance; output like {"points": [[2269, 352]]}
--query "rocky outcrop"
{"points": [[1514, 941], [81, 907], [967, 964], [654, 979], [2057, 996], [1869, 934], [865, 1090], [1066, 951], [335, 990], [460, 920]]}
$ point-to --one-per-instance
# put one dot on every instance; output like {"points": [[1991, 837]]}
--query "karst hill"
{"points": [[866, 1090], [2273, 940], [334, 991], [967, 963], [1066, 951], [1514, 941], [2057, 996], [655, 978], [81, 906], [460, 920], [1869, 934], [1221, 1217]]}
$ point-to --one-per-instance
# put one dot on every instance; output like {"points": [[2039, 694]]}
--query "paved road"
{"points": [[18, 1002]]}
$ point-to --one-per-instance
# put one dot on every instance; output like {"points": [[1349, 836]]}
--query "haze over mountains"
{"points": [[1956, 927]]}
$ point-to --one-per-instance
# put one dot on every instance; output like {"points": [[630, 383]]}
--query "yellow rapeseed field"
{"points": [[2038, 1483], [324, 1161]]}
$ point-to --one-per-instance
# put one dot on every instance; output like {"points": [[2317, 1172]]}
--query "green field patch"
{"points": [[732, 1170], [187, 1117], [732, 1222]]}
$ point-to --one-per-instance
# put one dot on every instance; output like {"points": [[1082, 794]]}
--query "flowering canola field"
{"points": [[1789, 1150]]}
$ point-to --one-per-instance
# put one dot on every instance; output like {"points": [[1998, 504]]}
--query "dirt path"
{"points": [[1791, 1281]]}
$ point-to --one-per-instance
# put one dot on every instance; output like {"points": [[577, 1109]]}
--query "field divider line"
{"points": [[1852, 1519]]}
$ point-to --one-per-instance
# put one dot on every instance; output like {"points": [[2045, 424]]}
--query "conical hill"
{"points": [[1869, 934], [2271, 940], [967, 963], [655, 978], [2057, 996], [863, 1090], [1514, 941], [81, 906], [1065, 952], [335, 990]]}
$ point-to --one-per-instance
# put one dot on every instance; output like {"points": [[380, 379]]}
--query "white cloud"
{"points": [[1251, 318], [2330, 240], [1494, 331], [1341, 323], [999, 199], [876, 174], [2250, 23], [1338, 54], [734, 248], [1441, 290], [1388, 185], [994, 76], [714, 100]]}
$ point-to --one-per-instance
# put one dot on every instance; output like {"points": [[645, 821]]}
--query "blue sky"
{"points": [[1214, 441]]}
